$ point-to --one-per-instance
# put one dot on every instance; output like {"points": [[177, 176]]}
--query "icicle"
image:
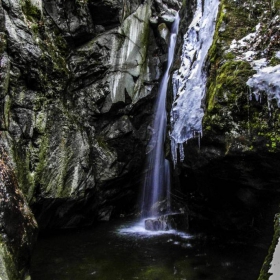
{"points": [[187, 112], [168, 185], [174, 151], [267, 80], [181, 152]]}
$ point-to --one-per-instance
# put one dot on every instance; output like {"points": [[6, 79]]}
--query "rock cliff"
{"points": [[78, 80], [18, 227], [229, 177], [235, 166]]}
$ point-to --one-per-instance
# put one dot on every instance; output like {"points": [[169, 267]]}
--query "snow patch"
{"points": [[266, 80]]}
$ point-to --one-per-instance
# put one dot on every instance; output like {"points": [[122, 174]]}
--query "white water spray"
{"points": [[157, 177], [189, 82]]}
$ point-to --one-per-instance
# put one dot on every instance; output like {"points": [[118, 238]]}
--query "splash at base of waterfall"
{"points": [[157, 175], [139, 229]]}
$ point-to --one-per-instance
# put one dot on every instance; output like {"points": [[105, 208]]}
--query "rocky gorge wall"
{"points": [[230, 178], [18, 227], [77, 85], [239, 146], [78, 81]]}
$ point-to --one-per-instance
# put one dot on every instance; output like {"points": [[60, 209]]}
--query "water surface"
{"points": [[122, 250]]}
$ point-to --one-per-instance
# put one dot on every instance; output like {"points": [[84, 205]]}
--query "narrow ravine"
{"points": [[125, 249]]}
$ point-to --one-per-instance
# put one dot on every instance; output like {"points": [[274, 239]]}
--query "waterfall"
{"points": [[189, 82], [157, 177]]}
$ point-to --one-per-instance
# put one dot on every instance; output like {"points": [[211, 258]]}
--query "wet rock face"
{"points": [[109, 13], [78, 81], [18, 227], [233, 192], [231, 180], [72, 18]]}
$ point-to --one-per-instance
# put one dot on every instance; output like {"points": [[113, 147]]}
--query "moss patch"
{"points": [[231, 108], [32, 12], [24, 175], [8, 269], [229, 82]]}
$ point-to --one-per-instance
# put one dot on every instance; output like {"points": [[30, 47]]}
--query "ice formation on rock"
{"points": [[266, 80], [189, 82]]}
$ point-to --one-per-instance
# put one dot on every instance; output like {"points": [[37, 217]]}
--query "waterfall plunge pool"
{"points": [[123, 250]]}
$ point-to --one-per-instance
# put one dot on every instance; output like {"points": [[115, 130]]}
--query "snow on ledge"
{"points": [[267, 80]]}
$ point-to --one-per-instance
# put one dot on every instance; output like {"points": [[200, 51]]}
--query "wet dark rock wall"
{"points": [[18, 227], [230, 178], [78, 81]]}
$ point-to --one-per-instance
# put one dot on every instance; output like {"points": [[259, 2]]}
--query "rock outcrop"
{"points": [[272, 258], [232, 177], [78, 80], [77, 86], [18, 227]]}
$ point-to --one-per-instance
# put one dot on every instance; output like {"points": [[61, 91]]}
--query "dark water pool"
{"points": [[116, 251]]}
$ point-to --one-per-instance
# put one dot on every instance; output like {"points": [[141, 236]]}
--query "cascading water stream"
{"points": [[189, 82], [157, 178]]}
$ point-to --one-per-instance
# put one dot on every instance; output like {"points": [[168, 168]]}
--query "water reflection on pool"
{"points": [[125, 250]]}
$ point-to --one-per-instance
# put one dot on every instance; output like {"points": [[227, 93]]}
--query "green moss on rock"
{"points": [[231, 109], [42, 160], [229, 82], [32, 12], [8, 269], [3, 42]]}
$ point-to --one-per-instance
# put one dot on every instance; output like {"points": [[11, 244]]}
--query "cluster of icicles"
{"points": [[189, 82]]}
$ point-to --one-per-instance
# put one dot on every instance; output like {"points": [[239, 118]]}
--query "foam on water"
{"points": [[138, 229]]}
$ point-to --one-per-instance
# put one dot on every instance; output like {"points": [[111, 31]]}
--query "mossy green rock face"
{"points": [[231, 108], [8, 269], [78, 81], [18, 227], [77, 86], [234, 172]]}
